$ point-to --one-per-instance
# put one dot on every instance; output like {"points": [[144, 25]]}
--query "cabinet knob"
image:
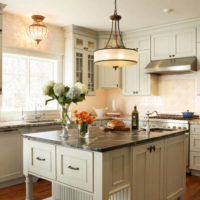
{"points": [[154, 148], [173, 55], [149, 149], [117, 85], [170, 56], [85, 48]]}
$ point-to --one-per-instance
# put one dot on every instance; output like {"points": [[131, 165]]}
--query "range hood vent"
{"points": [[172, 66]]}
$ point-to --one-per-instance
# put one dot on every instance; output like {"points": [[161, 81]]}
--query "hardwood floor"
{"points": [[42, 189]]}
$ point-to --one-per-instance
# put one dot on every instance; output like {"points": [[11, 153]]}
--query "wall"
{"points": [[15, 39], [15, 35], [177, 93]]}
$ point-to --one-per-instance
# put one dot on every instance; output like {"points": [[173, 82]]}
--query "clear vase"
{"points": [[83, 130], [65, 121]]}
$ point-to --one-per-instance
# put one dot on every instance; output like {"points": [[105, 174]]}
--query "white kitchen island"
{"points": [[108, 165]]}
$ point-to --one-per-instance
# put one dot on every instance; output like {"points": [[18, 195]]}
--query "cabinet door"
{"points": [[131, 80], [79, 66], [10, 155], [144, 80], [141, 173], [161, 46], [157, 171], [175, 169], [185, 43], [109, 77], [91, 74]]}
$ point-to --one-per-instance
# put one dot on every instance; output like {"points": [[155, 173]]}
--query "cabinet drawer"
{"points": [[75, 168], [195, 129], [195, 142], [41, 159], [195, 160]]}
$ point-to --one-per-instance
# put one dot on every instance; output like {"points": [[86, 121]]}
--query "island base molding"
{"points": [[65, 193]]}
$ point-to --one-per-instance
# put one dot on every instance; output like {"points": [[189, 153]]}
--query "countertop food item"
{"points": [[115, 123]]}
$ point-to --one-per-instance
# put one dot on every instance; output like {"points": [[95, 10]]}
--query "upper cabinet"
{"points": [[135, 80], [80, 45], [108, 77], [174, 44]]}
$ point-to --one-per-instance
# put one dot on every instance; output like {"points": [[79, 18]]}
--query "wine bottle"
{"points": [[135, 119]]}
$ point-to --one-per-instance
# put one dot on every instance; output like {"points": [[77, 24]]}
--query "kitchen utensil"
{"points": [[100, 111], [187, 114]]}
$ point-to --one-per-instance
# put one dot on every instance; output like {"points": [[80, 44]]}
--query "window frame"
{"points": [[56, 76]]}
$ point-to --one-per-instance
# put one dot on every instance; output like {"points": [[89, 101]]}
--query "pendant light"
{"points": [[37, 31], [115, 54]]}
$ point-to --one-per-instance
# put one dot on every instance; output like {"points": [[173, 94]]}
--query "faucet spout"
{"points": [[147, 124]]}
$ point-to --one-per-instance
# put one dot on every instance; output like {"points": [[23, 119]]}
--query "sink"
{"points": [[41, 121], [160, 129]]}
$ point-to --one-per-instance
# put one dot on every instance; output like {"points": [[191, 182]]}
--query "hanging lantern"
{"points": [[115, 54], [38, 31]]}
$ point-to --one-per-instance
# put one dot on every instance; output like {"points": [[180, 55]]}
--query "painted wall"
{"points": [[15, 35], [177, 93]]}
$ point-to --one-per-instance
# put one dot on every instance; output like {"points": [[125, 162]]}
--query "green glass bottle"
{"points": [[135, 119]]}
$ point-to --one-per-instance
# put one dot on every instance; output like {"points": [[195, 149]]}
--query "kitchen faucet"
{"points": [[147, 124]]}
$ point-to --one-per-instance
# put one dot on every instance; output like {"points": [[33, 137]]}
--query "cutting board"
{"points": [[105, 128]]}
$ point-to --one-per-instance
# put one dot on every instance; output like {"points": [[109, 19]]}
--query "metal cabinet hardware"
{"points": [[73, 168], [170, 56], [149, 149], [154, 148], [85, 48], [40, 159], [117, 85]]}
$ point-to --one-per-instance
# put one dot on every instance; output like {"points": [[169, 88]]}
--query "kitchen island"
{"points": [[108, 165]]}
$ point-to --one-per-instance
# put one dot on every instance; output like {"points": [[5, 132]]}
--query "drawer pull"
{"points": [[73, 168], [40, 159]]}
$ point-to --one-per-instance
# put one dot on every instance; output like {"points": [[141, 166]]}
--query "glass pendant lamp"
{"points": [[115, 54]]}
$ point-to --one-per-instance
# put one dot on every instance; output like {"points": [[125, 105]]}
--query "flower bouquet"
{"points": [[65, 96], [83, 119]]}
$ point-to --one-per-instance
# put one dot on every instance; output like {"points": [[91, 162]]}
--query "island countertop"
{"points": [[101, 141]]}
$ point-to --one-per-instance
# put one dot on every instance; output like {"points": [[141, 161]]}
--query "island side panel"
{"points": [[112, 175]]}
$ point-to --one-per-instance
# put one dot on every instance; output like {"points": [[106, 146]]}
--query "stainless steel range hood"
{"points": [[172, 66]]}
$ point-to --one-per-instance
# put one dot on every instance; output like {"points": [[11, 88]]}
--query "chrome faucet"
{"points": [[147, 124]]}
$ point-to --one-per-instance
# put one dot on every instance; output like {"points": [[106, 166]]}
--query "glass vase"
{"points": [[65, 120], [83, 130]]}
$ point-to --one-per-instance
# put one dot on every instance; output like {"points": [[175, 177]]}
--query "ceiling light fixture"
{"points": [[37, 31], [115, 54]]}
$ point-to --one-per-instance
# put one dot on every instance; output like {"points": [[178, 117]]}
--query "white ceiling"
{"points": [[95, 13]]}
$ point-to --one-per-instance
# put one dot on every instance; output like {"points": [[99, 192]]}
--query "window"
{"points": [[23, 81]]}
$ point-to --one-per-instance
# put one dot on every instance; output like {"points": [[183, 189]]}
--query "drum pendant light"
{"points": [[115, 54]]}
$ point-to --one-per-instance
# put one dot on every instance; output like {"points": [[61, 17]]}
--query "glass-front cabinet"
{"points": [[85, 71], [80, 44]]}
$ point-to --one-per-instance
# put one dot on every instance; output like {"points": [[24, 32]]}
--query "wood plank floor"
{"points": [[42, 189]]}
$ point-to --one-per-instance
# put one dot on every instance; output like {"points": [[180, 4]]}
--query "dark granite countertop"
{"points": [[101, 141]]}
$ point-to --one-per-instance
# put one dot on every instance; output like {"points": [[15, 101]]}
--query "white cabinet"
{"points": [[195, 147], [79, 58], [10, 154], [174, 44], [75, 168], [41, 159], [175, 170], [108, 77], [148, 171], [136, 81]]}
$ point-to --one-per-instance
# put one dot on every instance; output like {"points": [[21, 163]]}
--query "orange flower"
{"points": [[76, 121], [76, 115], [75, 111], [80, 122]]}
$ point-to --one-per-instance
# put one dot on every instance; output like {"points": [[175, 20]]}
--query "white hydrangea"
{"points": [[46, 89], [73, 93], [51, 83], [59, 89], [81, 87]]}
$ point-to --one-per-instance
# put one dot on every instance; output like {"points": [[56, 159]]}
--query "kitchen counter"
{"points": [[102, 141], [195, 121], [21, 124]]}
